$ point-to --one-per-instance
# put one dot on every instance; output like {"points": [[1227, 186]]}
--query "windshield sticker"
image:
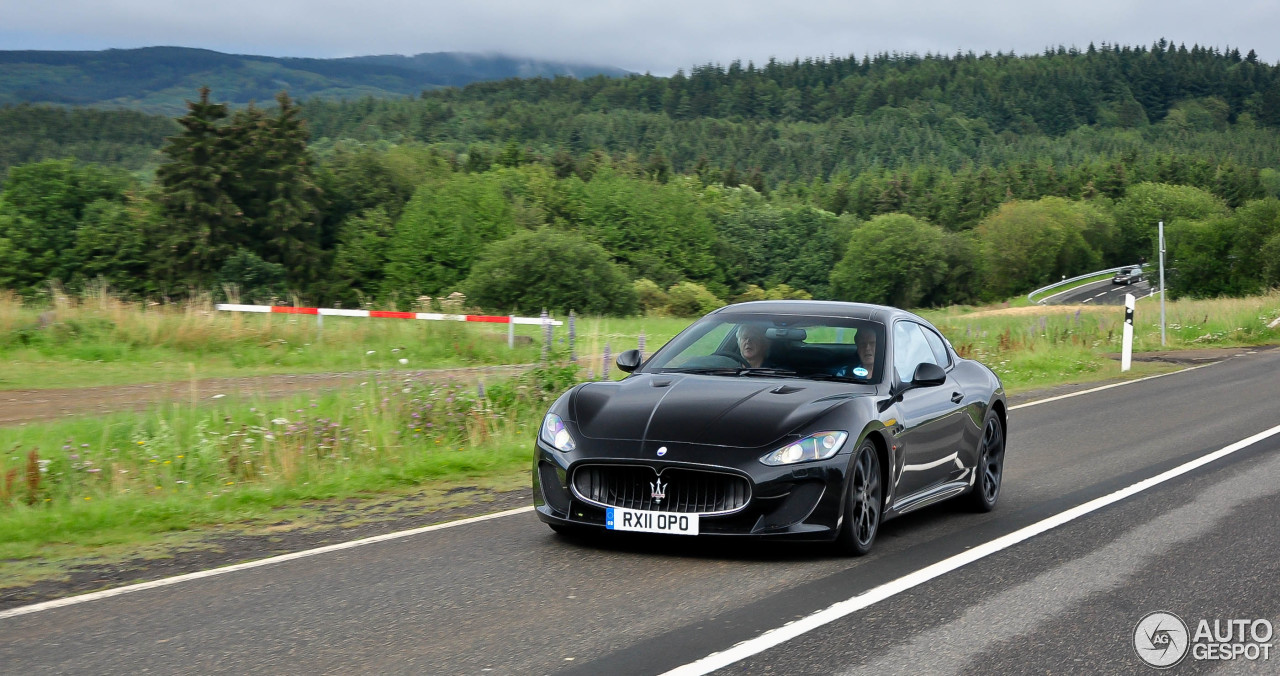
{"points": [[860, 372]]}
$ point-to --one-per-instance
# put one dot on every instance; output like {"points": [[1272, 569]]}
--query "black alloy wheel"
{"points": [[865, 504], [990, 467]]}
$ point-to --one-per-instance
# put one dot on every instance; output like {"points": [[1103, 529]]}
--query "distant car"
{"points": [[1127, 276], [788, 420]]}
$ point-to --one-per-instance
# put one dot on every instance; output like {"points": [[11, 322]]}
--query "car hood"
{"points": [[698, 409]]}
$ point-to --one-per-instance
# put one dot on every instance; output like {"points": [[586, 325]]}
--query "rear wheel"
{"points": [[990, 468], [864, 505]]}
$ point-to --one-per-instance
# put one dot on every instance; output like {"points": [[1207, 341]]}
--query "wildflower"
{"points": [[403, 361], [168, 462], [182, 456], [370, 352], [87, 498], [141, 443]]}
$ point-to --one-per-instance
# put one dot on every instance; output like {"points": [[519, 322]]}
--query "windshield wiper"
{"points": [[765, 371], [734, 371], [835, 378], [706, 371]]}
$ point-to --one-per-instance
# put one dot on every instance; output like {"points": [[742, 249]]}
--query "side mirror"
{"points": [[628, 361], [928, 375]]}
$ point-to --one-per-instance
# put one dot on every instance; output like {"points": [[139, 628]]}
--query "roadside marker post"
{"points": [[1126, 352]]}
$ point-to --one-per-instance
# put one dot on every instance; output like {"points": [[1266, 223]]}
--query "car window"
{"points": [[940, 355], [910, 349], [821, 347], [708, 343]]}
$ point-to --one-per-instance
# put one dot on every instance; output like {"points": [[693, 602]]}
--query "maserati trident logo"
{"points": [[658, 490]]}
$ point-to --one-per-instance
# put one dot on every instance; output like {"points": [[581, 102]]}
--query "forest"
{"points": [[896, 178]]}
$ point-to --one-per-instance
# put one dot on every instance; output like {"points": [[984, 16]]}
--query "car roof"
{"points": [[821, 308]]}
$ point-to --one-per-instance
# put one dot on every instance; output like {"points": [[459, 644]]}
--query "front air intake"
{"points": [[687, 491]]}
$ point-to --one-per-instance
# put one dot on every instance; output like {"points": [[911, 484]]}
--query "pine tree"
{"points": [[201, 217]]}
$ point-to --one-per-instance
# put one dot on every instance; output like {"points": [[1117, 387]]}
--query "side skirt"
{"points": [[928, 497]]}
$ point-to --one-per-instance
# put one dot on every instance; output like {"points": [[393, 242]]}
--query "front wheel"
{"points": [[864, 505], [990, 468]]}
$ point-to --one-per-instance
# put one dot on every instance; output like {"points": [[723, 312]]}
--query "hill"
{"points": [[161, 79]]}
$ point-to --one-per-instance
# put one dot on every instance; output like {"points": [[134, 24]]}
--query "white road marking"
{"points": [[1023, 609], [1086, 300], [785, 633], [1107, 387], [107, 593], [1045, 300], [1099, 295]]}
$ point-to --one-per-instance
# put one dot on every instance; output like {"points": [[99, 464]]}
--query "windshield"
{"points": [[823, 348]]}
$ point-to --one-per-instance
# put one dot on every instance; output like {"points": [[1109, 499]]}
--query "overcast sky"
{"points": [[658, 36]]}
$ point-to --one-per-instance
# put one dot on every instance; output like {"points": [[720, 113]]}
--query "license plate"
{"points": [[621, 518]]}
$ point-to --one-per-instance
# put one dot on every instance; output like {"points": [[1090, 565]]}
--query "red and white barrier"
{"points": [[385, 314], [322, 312]]}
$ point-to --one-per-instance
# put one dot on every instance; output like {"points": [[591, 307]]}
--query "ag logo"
{"points": [[1161, 639]]}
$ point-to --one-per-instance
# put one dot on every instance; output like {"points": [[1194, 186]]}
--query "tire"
{"points": [[989, 468], [864, 504]]}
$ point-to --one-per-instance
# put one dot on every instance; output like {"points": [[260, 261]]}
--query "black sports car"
{"points": [[803, 420]]}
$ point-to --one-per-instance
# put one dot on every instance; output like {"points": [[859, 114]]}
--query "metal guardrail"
{"points": [[1031, 296]]}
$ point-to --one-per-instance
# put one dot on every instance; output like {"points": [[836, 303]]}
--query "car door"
{"points": [[931, 418]]}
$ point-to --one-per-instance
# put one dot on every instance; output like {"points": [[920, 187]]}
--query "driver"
{"points": [[753, 345]]}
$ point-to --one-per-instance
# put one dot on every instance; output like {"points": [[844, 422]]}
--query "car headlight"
{"points": [[817, 446], [554, 433]]}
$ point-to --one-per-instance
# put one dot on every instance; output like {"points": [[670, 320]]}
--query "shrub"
{"points": [[687, 299], [547, 269]]}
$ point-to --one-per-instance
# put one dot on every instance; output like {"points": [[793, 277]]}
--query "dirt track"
{"points": [[21, 406]]}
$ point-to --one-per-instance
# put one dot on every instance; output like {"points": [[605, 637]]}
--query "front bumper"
{"points": [[798, 502]]}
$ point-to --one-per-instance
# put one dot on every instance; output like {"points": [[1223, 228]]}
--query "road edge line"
{"points": [[1119, 384], [164, 582], [786, 632]]}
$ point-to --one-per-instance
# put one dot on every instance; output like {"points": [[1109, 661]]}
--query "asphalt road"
{"points": [[1100, 293], [508, 596]]}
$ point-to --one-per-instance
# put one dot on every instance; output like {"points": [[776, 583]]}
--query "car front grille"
{"points": [[685, 490]]}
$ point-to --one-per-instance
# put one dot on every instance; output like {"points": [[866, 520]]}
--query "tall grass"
{"points": [[70, 479]]}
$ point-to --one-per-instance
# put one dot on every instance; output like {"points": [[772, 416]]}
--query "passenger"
{"points": [[865, 340]]}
